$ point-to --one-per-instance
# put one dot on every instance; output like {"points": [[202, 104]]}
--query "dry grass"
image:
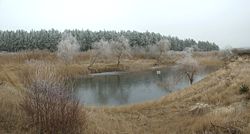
{"points": [[225, 110], [213, 58], [13, 90], [22, 57], [10, 114], [48, 102]]}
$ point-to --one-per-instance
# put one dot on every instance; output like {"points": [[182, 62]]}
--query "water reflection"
{"points": [[125, 88]]}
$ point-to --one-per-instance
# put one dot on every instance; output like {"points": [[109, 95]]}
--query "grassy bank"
{"points": [[213, 105], [207, 106]]}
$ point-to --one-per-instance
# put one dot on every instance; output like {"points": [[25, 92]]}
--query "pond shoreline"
{"points": [[122, 88]]}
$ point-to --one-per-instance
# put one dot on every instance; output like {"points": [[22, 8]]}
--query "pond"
{"points": [[118, 88]]}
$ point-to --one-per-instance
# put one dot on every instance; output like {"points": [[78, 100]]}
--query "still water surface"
{"points": [[117, 88]]}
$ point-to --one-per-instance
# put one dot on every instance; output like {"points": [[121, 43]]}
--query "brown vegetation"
{"points": [[213, 105], [48, 103]]}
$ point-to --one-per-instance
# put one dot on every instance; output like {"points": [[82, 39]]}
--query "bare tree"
{"points": [[189, 65], [120, 48], [67, 47]]}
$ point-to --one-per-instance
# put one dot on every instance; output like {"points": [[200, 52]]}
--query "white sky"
{"points": [[225, 22]]}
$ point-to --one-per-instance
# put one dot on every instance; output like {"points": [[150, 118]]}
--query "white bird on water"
{"points": [[158, 72]]}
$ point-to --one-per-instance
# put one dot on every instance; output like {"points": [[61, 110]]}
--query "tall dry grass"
{"points": [[10, 114], [49, 103], [23, 56], [36, 99]]}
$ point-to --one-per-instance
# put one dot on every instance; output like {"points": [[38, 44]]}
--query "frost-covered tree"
{"points": [[67, 47], [138, 51], [120, 48], [99, 49], [13, 41], [162, 47], [227, 52], [159, 49], [189, 65]]}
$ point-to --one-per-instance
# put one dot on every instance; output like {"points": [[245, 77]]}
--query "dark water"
{"points": [[126, 88]]}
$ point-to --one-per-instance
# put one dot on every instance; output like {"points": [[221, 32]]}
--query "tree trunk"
{"points": [[159, 58], [92, 62], [190, 77], [118, 62], [118, 59]]}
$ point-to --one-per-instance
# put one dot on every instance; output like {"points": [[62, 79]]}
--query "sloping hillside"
{"points": [[213, 105]]}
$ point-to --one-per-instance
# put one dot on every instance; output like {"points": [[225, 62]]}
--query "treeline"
{"points": [[13, 41]]}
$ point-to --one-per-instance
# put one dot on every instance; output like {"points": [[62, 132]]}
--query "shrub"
{"points": [[49, 104], [243, 89]]}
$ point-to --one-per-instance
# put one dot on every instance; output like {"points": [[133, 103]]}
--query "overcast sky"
{"points": [[225, 22]]}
